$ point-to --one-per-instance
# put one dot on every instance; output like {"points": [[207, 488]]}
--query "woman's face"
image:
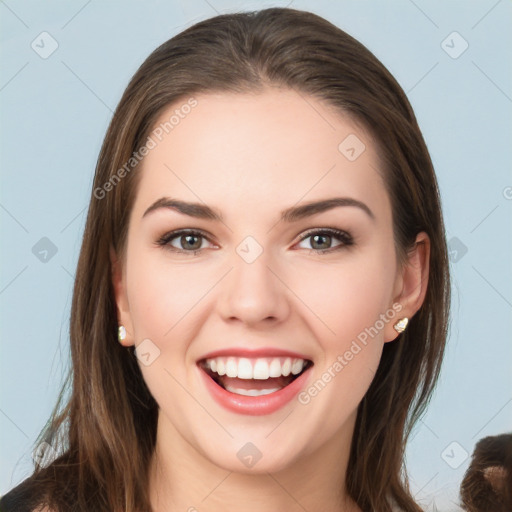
{"points": [[297, 332]]}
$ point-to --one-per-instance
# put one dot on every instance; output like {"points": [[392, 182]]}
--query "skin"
{"points": [[251, 156]]}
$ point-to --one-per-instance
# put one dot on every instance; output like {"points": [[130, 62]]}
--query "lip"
{"points": [[253, 353], [254, 405]]}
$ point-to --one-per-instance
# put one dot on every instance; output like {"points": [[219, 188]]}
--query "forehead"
{"points": [[241, 152]]}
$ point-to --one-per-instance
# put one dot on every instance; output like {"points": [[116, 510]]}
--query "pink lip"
{"points": [[254, 405], [253, 353]]}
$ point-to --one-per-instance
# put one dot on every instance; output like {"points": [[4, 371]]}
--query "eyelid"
{"points": [[331, 231]]}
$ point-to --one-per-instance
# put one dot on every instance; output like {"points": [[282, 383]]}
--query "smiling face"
{"points": [[297, 332]]}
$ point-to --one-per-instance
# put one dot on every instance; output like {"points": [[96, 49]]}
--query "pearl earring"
{"points": [[121, 333], [401, 325]]}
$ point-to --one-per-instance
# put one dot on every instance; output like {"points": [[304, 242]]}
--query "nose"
{"points": [[253, 293]]}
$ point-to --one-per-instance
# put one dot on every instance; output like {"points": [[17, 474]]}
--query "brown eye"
{"points": [[193, 242], [183, 241], [322, 239]]}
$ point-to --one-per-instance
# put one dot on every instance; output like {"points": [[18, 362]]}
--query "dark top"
{"points": [[19, 499]]}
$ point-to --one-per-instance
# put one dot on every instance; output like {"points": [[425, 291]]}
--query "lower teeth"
{"points": [[250, 392]]}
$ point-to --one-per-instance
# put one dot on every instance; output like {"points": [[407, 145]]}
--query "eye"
{"points": [[189, 241], [321, 239]]}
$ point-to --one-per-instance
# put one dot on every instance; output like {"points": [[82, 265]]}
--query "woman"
{"points": [[265, 229]]}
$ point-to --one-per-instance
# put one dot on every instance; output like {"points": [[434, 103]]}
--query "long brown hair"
{"points": [[107, 429]]}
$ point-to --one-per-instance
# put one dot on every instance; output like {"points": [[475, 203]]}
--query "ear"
{"points": [[123, 308], [411, 283]]}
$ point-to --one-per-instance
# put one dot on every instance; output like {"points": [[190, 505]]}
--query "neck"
{"points": [[182, 479]]}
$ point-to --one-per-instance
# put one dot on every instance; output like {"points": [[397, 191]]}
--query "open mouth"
{"points": [[254, 377]]}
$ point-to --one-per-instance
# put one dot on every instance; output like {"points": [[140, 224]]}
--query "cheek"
{"points": [[161, 294], [161, 300], [347, 297], [350, 304]]}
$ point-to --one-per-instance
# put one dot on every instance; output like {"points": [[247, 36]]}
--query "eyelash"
{"points": [[342, 236]]}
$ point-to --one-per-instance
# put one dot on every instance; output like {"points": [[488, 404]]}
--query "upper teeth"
{"points": [[261, 368]]}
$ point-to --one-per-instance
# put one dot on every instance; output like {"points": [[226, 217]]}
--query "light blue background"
{"points": [[54, 115]]}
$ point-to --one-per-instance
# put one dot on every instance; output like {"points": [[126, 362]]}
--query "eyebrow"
{"points": [[293, 214]]}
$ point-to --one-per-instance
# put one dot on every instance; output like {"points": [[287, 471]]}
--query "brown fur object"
{"points": [[487, 484]]}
